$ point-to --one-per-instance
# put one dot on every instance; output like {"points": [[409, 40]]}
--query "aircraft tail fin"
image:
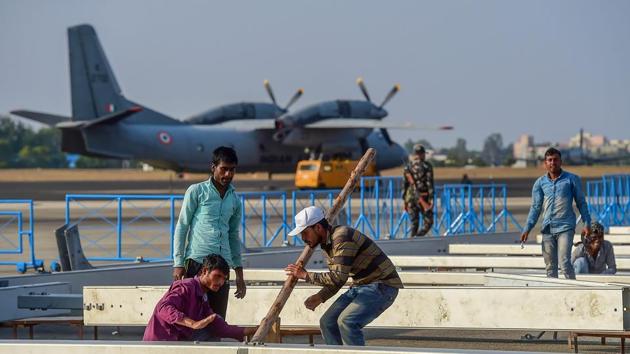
{"points": [[95, 91]]}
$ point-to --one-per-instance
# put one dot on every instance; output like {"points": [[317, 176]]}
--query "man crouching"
{"points": [[349, 254], [185, 307]]}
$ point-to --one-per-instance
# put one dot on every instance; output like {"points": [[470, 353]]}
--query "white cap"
{"points": [[307, 217]]}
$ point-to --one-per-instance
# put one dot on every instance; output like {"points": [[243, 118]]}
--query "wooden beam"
{"points": [[331, 215]]}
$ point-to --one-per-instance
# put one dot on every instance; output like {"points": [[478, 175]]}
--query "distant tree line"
{"points": [[23, 147], [493, 153]]}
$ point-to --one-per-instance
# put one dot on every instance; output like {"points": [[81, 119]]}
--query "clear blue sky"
{"points": [[545, 68]]}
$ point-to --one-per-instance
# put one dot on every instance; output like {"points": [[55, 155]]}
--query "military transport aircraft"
{"points": [[106, 124]]}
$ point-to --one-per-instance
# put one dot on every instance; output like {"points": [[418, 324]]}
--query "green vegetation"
{"points": [[22, 147]]}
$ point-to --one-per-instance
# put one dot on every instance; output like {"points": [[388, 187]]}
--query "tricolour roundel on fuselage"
{"points": [[164, 138]]}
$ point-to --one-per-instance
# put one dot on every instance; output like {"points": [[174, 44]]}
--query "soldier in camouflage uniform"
{"points": [[418, 191]]}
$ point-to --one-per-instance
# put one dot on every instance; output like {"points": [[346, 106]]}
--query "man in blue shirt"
{"points": [[553, 195], [208, 224]]}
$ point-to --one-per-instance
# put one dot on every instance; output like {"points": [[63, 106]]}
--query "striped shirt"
{"points": [[350, 253]]}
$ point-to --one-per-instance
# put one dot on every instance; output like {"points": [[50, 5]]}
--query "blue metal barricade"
{"points": [[458, 209], [264, 218], [609, 199], [479, 208], [12, 216], [381, 212], [124, 227]]}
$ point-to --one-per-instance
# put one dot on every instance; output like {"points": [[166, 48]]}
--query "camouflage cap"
{"points": [[597, 228], [418, 148]]}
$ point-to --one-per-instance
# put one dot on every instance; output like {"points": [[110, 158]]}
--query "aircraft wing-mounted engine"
{"points": [[246, 110], [289, 126]]}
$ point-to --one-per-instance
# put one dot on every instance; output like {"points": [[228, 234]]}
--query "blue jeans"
{"points": [[556, 248], [343, 322], [580, 266]]}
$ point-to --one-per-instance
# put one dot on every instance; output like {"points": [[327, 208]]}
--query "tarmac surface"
{"points": [[57, 190]]}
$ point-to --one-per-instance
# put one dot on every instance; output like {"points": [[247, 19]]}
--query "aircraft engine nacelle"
{"points": [[237, 111], [338, 109]]}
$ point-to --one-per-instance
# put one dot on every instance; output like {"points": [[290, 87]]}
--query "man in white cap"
{"points": [[349, 254]]}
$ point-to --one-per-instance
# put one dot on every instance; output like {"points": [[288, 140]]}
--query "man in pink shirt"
{"points": [[185, 307]]}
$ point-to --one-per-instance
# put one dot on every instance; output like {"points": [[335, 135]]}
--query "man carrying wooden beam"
{"points": [[349, 254]]}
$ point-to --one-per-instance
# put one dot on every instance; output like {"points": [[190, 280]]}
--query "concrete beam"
{"points": [[409, 278], [499, 279], [513, 250], [614, 239], [616, 279], [481, 262], [620, 230], [541, 308], [121, 347]]}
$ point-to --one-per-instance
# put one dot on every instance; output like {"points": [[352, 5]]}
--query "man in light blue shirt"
{"points": [[209, 224], [553, 195]]}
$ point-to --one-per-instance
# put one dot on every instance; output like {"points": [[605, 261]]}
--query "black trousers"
{"points": [[218, 300]]}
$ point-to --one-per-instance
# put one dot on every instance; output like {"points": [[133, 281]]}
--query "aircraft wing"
{"points": [[247, 124], [339, 123], [371, 123], [45, 118]]}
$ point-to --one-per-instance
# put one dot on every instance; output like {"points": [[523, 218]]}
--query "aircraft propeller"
{"points": [[363, 89], [389, 96], [293, 99]]}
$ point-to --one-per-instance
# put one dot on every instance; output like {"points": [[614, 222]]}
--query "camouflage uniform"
{"points": [[418, 183]]}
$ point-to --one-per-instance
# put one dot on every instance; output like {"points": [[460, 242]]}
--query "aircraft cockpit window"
{"points": [[308, 167]]}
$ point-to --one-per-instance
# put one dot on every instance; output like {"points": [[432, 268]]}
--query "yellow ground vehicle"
{"points": [[326, 174]]}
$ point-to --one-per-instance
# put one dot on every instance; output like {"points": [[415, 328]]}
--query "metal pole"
{"points": [[119, 227], [264, 219], [172, 225], [378, 208], [243, 222]]}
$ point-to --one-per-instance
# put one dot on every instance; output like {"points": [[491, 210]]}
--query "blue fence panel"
{"points": [[12, 216], [458, 209], [264, 218], [124, 227], [609, 199], [479, 208], [381, 208]]}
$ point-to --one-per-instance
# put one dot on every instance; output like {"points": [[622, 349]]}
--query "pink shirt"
{"points": [[185, 298]]}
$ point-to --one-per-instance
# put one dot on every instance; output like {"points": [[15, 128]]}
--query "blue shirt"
{"points": [[208, 224], [554, 198]]}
